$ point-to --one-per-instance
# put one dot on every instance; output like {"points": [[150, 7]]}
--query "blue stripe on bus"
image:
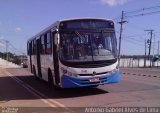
{"points": [[70, 82]]}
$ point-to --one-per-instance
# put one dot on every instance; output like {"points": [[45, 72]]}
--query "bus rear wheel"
{"points": [[34, 73], [50, 78]]}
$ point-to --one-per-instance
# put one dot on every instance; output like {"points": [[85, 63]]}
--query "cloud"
{"points": [[2, 44], [18, 30], [112, 3]]}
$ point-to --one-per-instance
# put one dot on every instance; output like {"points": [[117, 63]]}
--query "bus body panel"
{"points": [[71, 78], [46, 64], [71, 82]]}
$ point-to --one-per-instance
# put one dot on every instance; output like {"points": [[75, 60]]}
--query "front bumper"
{"points": [[72, 82]]}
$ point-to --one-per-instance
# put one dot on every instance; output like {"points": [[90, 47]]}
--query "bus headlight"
{"points": [[64, 71], [68, 73], [72, 74]]}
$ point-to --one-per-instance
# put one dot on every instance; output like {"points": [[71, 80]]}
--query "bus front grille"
{"points": [[92, 74]]}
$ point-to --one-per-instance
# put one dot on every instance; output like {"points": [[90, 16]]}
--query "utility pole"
{"points": [[120, 37], [145, 54], [158, 54], [158, 47], [153, 50], [150, 44], [6, 50]]}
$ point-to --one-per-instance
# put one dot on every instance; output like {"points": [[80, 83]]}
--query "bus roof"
{"points": [[55, 25], [86, 19]]}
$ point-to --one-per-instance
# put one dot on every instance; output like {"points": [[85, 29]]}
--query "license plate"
{"points": [[94, 80]]}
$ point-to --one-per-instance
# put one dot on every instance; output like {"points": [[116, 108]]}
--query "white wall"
{"points": [[130, 62]]}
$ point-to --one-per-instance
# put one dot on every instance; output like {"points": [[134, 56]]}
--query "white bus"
{"points": [[75, 53]]}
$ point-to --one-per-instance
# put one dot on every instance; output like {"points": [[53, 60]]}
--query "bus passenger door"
{"points": [[55, 60], [38, 58]]}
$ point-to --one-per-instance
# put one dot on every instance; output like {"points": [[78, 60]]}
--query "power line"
{"points": [[143, 9], [138, 44], [135, 42], [135, 26], [138, 36], [15, 48], [141, 45], [132, 14], [117, 18], [143, 14], [141, 37], [9, 45], [134, 39]]}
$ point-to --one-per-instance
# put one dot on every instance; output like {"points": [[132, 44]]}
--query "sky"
{"points": [[21, 19]]}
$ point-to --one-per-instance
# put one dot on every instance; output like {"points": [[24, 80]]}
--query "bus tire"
{"points": [[34, 73], [93, 86], [57, 88], [50, 79], [51, 82]]}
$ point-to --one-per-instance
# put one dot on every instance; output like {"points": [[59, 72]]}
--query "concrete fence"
{"points": [[132, 62]]}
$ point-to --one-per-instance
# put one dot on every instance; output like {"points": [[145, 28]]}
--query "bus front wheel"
{"points": [[51, 82]]}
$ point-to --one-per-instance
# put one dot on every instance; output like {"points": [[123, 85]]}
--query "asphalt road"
{"points": [[18, 88]]}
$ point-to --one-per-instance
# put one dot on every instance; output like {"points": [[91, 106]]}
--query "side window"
{"points": [[42, 45], [48, 44], [29, 48], [28, 52], [32, 47]]}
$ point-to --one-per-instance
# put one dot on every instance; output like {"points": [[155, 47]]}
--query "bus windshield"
{"points": [[85, 46]]}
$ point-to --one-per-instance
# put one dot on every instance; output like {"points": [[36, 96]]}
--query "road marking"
{"points": [[50, 102], [140, 74]]}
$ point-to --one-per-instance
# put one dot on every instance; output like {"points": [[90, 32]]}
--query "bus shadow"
{"points": [[50, 92], [11, 89], [76, 92]]}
